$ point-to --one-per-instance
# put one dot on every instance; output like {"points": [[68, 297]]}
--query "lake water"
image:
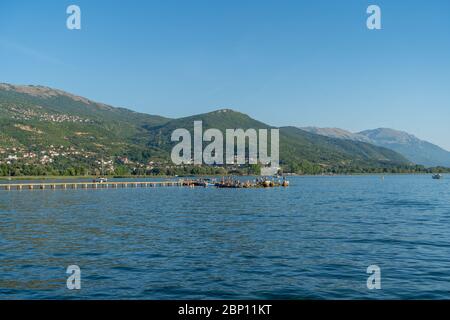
{"points": [[314, 239]]}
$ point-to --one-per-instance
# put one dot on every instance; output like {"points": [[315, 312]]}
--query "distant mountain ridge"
{"points": [[408, 145], [416, 150], [338, 134], [58, 129]]}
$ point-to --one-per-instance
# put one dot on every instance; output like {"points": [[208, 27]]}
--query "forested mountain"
{"points": [[61, 133]]}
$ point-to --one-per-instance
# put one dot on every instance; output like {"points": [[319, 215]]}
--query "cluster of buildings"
{"points": [[147, 166], [18, 154], [20, 113]]}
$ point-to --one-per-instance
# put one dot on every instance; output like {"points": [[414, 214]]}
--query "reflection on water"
{"points": [[314, 239]]}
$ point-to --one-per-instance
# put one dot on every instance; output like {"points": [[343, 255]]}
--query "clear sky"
{"points": [[296, 62]]}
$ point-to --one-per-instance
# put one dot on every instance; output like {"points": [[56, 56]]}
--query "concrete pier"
{"points": [[133, 184], [87, 185]]}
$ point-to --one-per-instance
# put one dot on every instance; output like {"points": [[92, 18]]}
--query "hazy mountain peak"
{"points": [[388, 135], [413, 148], [408, 145], [337, 133]]}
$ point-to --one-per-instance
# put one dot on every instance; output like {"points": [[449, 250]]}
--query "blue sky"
{"points": [[283, 62]]}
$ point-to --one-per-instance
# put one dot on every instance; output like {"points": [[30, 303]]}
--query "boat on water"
{"points": [[437, 176]]}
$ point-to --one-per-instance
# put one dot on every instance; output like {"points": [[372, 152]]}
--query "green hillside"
{"points": [[48, 131], [300, 151], [223, 119], [34, 118]]}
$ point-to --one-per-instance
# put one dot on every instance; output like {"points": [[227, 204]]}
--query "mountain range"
{"points": [[414, 149], [48, 127]]}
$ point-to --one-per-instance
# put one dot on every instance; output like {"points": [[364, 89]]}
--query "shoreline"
{"points": [[23, 178]]}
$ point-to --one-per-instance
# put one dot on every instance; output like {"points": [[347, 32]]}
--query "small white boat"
{"points": [[101, 180], [437, 176]]}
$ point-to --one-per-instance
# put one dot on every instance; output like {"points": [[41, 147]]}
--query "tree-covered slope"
{"points": [[44, 126], [35, 118], [296, 145]]}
